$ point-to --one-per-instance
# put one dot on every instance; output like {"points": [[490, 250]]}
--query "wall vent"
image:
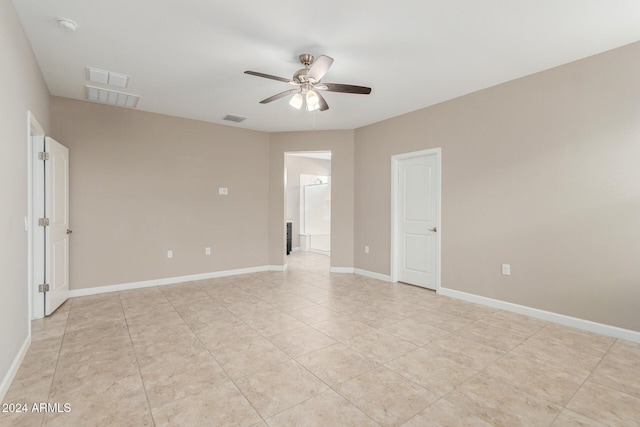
{"points": [[234, 118]]}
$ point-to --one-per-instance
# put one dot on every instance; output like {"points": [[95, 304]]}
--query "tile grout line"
{"points": [[209, 351], [135, 353], [55, 370]]}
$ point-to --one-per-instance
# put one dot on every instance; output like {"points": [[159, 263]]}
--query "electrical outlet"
{"points": [[506, 269], [366, 249], [169, 254], [207, 251], [223, 191]]}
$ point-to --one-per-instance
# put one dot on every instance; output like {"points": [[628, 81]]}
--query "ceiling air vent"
{"points": [[234, 118], [107, 96]]}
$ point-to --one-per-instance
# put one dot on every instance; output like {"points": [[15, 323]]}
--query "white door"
{"points": [[57, 232], [417, 187]]}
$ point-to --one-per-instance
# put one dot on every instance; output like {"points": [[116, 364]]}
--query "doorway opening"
{"points": [[308, 202]]}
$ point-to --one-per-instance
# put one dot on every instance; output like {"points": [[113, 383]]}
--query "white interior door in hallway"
{"points": [[56, 233], [416, 217]]}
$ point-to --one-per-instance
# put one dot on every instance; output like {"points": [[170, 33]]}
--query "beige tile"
{"points": [[313, 314], [96, 413], [617, 373], [336, 364], [173, 375], [413, 331], [499, 404], [445, 414], [385, 396], [104, 397], [249, 357], [21, 419], [578, 340], [498, 338], [301, 341], [227, 333], [380, 347], [274, 324], [376, 318], [431, 369], [49, 327], [606, 405], [518, 323], [342, 329], [204, 319], [558, 356], [33, 380], [535, 378], [568, 418], [625, 351], [441, 320], [465, 310], [326, 409], [280, 387], [222, 404], [464, 351]]}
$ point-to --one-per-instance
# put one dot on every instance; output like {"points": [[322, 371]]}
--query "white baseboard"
{"points": [[344, 270], [172, 280], [13, 369], [296, 249], [371, 274], [587, 325]]}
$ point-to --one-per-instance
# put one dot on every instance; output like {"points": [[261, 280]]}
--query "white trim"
{"points": [[296, 249], [371, 274], [587, 325], [341, 270], [171, 280], [393, 277], [13, 369]]}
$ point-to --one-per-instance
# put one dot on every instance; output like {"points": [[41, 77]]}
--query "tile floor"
{"points": [[306, 347]]}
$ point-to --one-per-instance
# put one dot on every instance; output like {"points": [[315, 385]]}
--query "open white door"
{"points": [[57, 231], [416, 245]]}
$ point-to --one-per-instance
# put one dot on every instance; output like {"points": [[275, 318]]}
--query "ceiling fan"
{"points": [[308, 80]]}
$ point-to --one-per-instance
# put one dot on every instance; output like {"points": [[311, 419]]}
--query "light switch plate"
{"points": [[506, 269]]}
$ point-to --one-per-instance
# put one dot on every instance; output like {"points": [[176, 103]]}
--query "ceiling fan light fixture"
{"points": [[296, 101], [313, 102]]}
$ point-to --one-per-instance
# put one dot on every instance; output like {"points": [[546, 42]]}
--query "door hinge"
{"points": [[43, 288], [43, 222], [43, 155]]}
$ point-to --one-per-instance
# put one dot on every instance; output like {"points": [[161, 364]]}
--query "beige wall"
{"points": [[143, 184], [340, 143], [297, 165], [23, 90], [542, 173]]}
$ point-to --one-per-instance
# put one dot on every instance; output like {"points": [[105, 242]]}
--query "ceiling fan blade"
{"points": [[320, 67], [268, 76], [323, 104], [278, 96], [338, 87]]}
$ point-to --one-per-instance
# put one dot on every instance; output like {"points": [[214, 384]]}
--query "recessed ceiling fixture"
{"points": [[106, 96], [67, 24], [97, 75], [234, 118], [308, 81]]}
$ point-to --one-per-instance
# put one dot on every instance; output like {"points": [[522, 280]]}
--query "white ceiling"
{"points": [[186, 58]]}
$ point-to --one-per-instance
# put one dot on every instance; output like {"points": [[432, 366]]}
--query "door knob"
{"points": [[434, 229], [69, 231]]}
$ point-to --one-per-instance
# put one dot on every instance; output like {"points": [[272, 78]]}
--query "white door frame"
{"points": [[395, 235], [35, 261]]}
